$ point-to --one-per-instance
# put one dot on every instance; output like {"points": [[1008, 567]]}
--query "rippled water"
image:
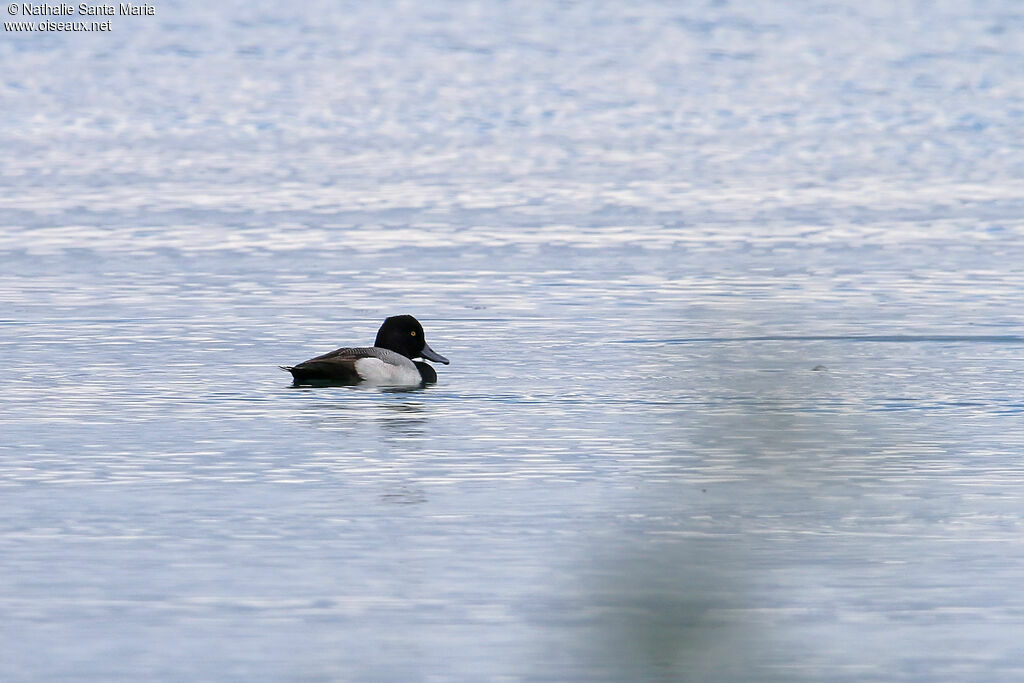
{"points": [[731, 293]]}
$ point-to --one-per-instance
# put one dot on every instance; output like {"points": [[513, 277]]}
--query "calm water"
{"points": [[731, 291]]}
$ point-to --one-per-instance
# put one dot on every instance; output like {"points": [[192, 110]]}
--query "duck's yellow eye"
{"points": [[413, 333]]}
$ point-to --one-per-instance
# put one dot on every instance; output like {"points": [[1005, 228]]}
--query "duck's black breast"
{"points": [[427, 372]]}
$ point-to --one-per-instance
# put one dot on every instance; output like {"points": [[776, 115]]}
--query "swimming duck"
{"points": [[388, 361]]}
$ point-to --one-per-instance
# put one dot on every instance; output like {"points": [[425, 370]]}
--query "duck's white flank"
{"points": [[395, 370]]}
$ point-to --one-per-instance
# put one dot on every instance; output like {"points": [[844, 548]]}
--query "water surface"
{"points": [[731, 294]]}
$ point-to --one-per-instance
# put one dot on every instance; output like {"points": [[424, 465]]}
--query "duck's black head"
{"points": [[403, 334]]}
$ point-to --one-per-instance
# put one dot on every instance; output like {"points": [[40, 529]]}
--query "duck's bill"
{"points": [[431, 354]]}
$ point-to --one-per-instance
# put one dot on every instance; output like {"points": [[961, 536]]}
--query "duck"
{"points": [[388, 362]]}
